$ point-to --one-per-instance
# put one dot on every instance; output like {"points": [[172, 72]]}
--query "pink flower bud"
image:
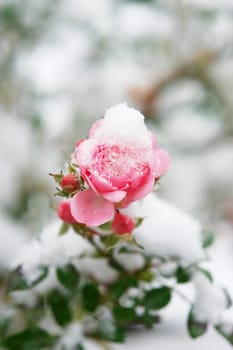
{"points": [[69, 183], [122, 224], [64, 212]]}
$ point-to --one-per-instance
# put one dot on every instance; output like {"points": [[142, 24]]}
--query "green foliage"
{"points": [[10, 17], [29, 339], [149, 320], [90, 296], [18, 282], [195, 327], [124, 315], [207, 239], [64, 229], [110, 241], [206, 273], [226, 330], [110, 331], [4, 324], [68, 276], [183, 275], [118, 288], [157, 298], [60, 307]]}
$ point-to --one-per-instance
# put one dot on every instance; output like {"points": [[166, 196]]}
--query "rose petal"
{"points": [[161, 162], [97, 184], [139, 193], [115, 196], [95, 127], [87, 208]]}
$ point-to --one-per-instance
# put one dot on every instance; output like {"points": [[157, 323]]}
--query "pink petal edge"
{"points": [[162, 162], [90, 209]]}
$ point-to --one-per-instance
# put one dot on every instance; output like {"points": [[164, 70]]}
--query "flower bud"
{"points": [[69, 183], [122, 224], [64, 212]]}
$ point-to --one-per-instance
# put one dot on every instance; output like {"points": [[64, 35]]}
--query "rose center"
{"points": [[116, 161]]}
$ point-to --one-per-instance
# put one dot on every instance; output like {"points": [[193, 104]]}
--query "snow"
{"points": [[124, 123], [50, 249], [97, 268], [71, 337], [210, 300], [130, 261], [12, 241], [167, 231]]}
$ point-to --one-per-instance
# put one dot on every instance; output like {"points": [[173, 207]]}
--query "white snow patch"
{"points": [[210, 302], [50, 249], [167, 231], [12, 241], [130, 261], [124, 123], [72, 337], [97, 268]]}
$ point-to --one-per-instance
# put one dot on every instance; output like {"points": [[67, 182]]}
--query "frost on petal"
{"points": [[95, 127], [90, 209]]}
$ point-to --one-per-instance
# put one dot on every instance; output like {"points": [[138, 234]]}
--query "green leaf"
{"points": [[79, 347], [64, 229], [5, 319], [68, 276], [195, 328], [124, 315], [59, 304], [226, 330], [80, 229], [117, 289], [17, 280], [146, 276], [57, 177], [183, 275], [110, 241], [228, 298], [207, 239], [106, 227], [149, 320], [138, 221], [29, 339], [90, 296], [157, 298], [128, 238], [110, 331], [206, 273]]}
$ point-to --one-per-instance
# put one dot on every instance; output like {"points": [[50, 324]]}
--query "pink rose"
{"points": [[119, 162], [64, 212], [122, 224]]}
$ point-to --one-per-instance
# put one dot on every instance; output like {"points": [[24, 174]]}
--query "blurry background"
{"points": [[62, 63]]}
